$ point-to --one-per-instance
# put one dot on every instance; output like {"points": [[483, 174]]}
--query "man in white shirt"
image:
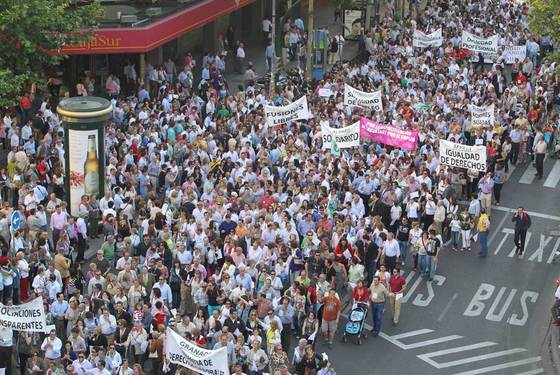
{"points": [[266, 24], [81, 365], [108, 324], [114, 357], [392, 251], [51, 346], [239, 58], [6, 347]]}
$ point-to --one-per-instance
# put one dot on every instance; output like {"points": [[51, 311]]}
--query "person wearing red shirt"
{"points": [[42, 170], [520, 79], [342, 246], [397, 286], [267, 200], [360, 294]]}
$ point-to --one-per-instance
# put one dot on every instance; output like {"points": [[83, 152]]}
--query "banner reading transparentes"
{"points": [[357, 98], [29, 317], [297, 110], [184, 353], [347, 137], [457, 155]]}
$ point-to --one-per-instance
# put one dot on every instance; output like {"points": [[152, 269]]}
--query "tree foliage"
{"points": [[544, 19], [31, 33]]}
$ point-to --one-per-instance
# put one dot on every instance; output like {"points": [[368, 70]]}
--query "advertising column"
{"points": [[84, 121]]}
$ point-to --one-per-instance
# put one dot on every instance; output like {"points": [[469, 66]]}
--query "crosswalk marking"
{"points": [[482, 357], [529, 175], [501, 366], [428, 356], [553, 176], [411, 333], [532, 372], [433, 341]]}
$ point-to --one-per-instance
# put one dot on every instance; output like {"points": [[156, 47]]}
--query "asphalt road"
{"points": [[479, 316]]}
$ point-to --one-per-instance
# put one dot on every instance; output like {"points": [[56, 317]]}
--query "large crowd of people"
{"points": [[237, 234]]}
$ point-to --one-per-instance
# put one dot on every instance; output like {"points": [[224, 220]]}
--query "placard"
{"points": [[353, 21], [388, 134], [184, 353], [482, 116], [347, 137], [457, 155], [514, 52], [423, 40], [357, 98], [297, 110]]}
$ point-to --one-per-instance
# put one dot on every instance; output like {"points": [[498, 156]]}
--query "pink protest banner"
{"points": [[387, 134]]}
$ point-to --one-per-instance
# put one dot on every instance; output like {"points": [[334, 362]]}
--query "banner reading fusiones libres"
{"points": [[297, 110], [184, 353], [29, 317], [457, 155]]}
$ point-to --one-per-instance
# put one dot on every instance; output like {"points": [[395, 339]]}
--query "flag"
{"points": [[330, 208], [335, 151]]}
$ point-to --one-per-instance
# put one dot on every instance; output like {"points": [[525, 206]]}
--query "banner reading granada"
{"points": [[357, 98], [423, 40], [482, 116], [387, 134], [184, 353], [347, 137], [297, 110], [478, 44], [29, 317], [462, 156]]}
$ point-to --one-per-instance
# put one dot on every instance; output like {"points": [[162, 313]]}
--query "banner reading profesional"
{"points": [[478, 44], [297, 110], [462, 156], [184, 353], [347, 137], [29, 317], [387, 134], [482, 116], [357, 98], [423, 40]]}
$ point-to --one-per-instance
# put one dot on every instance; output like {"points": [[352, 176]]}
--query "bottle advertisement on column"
{"points": [[84, 166]]}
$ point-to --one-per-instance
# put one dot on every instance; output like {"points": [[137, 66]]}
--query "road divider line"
{"points": [[501, 366], [553, 176], [481, 357], [447, 307], [427, 357]]}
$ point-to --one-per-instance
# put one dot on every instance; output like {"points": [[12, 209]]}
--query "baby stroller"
{"points": [[356, 321]]}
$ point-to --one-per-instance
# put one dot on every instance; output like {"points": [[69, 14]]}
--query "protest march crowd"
{"points": [[243, 223]]}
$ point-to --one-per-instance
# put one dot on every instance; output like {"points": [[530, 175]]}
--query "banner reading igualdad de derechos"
{"points": [[457, 155], [388, 134], [29, 317], [478, 44], [357, 98], [347, 137], [423, 40], [184, 353], [297, 110]]}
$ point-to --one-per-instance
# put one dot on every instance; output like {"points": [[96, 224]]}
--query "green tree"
{"points": [[32, 32], [544, 19]]}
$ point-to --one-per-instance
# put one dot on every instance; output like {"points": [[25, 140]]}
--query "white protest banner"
{"points": [[457, 155], [297, 110], [482, 116], [29, 317], [423, 40], [477, 44], [184, 353], [325, 93], [354, 97], [514, 52], [347, 137]]}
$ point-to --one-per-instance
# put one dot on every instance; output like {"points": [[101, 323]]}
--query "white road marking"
{"points": [[412, 333], [427, 357], [447, 307], [529, 175], [514, 249], [507, 231], [501, 366], [500, 225], [553, 176], [532, 372], [433, 341], [553, 253], [535, 214]]}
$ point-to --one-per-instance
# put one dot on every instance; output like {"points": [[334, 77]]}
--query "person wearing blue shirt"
{"points": [[285, 312], [58, 310]]}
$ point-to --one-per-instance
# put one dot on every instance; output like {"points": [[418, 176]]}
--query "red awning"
{"points": [[144, 39]]}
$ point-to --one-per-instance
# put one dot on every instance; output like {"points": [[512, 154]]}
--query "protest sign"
{"points": [[187, 354], [297, 110], [325, 93], [423, 40], [478, 44], [462, 156], [482, 116], [354, 97], [514, 52], [344, 137], [387, 134], [29, 317]]}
